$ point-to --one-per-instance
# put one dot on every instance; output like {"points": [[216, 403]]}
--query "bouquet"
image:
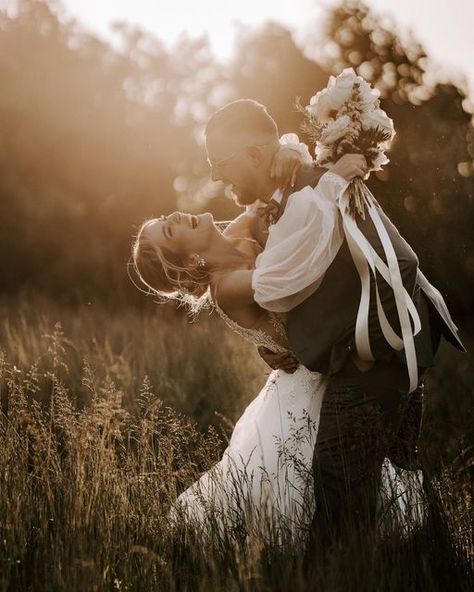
{"points": [[346, 117]]}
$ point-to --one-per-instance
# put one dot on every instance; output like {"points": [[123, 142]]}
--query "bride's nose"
{"points": [[175, 217]]}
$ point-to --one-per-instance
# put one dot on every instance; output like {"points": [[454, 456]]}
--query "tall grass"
{"points": [[198, 368], [108, 415]]}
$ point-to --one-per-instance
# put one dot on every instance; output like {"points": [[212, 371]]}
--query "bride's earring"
{"points": [[201, 263]]}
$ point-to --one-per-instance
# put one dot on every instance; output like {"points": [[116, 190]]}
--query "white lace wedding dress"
{"points": [[263, 484]]}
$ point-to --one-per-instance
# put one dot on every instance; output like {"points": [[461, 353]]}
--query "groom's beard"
{"points": [[242, 197]]}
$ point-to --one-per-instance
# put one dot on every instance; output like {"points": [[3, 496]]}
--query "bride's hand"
{"points": [[283, 361], [285, 166], [350, 166]]}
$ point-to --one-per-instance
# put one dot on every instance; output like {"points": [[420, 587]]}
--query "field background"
{"points": [[112, 404]]}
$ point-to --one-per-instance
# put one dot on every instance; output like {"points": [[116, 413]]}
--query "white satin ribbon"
{"points": [[368, 263]]}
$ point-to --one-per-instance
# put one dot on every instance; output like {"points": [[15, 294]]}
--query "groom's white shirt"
{"points": [[301, 246]]}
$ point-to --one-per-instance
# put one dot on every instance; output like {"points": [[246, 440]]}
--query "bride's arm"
{"points": [[240, 288], [288, 160]]}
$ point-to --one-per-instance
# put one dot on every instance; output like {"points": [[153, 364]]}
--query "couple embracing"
{"points": [[306, 456]]}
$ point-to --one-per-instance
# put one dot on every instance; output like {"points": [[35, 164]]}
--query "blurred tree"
{"points": [[94, 139], [89, 140], [270, 68]]}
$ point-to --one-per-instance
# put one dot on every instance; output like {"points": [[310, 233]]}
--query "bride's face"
{"points": [[181, 234]]}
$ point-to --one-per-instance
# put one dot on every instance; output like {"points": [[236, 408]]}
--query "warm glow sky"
{"points": [[443, 26]]}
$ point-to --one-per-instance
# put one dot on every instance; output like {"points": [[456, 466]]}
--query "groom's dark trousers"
{"points": [[362, 413]]}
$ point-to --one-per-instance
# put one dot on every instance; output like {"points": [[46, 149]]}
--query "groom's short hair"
{"points": [[242, 116]]}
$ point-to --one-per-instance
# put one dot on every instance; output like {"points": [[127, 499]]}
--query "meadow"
{"points": [[108, 414]]}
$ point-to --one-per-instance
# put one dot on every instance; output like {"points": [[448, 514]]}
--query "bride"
{"points": [[263, 483]]}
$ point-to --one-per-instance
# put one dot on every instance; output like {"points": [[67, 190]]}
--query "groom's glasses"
{"points": [[217, 163]]}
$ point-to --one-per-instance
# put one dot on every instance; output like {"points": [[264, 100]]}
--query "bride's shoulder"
{"points": [[232, 291]]}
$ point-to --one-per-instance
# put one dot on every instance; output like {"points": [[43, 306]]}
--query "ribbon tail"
{"points": [[362, 340], [398, 289], [363, 254], [382, 268], [438, 302], [390, 335], [364, 265]]}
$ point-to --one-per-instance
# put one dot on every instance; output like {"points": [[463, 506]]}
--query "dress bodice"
{"points": [[258, 337]]}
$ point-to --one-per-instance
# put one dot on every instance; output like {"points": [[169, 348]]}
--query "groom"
{"points": [[366, 402]]}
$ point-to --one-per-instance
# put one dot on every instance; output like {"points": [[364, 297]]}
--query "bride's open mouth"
{"points": [[194, 221]]}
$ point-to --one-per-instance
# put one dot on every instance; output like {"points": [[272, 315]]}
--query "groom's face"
{"points": [[237, 163]]}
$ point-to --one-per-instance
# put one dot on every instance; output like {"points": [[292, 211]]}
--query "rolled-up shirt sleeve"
{"points": [[301, 246]]}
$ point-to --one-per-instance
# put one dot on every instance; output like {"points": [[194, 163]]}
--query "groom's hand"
{"points": [[283, 361], [350, 166]]}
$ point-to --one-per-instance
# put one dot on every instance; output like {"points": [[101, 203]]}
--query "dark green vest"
{"points": [[321, 329]]}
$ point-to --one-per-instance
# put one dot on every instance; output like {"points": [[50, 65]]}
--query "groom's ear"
{"points": [[255, 155]]}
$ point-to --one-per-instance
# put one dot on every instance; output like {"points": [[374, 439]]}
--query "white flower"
{"points": [[379, 161], [340, 88], [336, 130], [378, 118], [368, 96], [322, 153], [339, 91], [320, 106]]}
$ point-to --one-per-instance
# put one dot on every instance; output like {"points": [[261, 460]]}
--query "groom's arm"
{"points": [[285, 361]]}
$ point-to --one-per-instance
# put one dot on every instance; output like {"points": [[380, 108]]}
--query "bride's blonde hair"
{"points": [[165, 276]]}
